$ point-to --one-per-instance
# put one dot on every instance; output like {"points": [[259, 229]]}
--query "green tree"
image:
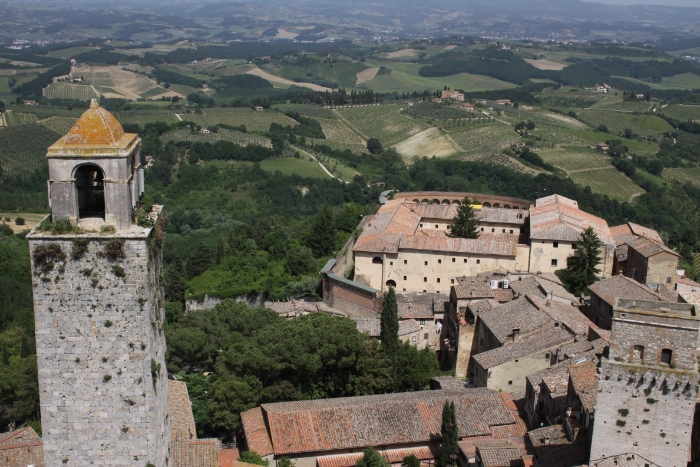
{"points": [[410, 461], [299, 260], [19, 221], [582, 267], [199, 387], [389, 325], [414, 368], [285, 462], [2, 107], [174, 281], [252, 457], [371, 458], [231, 397], [188, 347], [374, 146], [322, 237], [449, 432], [465, 225]]}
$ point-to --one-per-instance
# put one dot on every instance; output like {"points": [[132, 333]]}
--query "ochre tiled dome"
{"points": [[96, 127]]}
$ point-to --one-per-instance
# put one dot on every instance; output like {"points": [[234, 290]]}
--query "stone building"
{"points": [[651, 263], [98, 303], [649, 384], [624, 235], [604, 294]]}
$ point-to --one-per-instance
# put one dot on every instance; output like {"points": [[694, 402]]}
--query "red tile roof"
{"points": [[520, 314], [499, 455], [24, 437], [526, 346], [584, 379], [413, 310], [357, 422], [394, 456], [500, 245], [558, 218], [648, 248], [256, 434], [623, 287]]}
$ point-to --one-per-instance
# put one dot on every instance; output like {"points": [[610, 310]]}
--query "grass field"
{"points": [[383, 122], [682, 112], [612, 102], [4, 86], [609, 182], [254, 121], [405, 77], [683, 175], [291, 166], [15, 118], [429, 143], [617, 122], [142, 119], [574, 158], [60, 125], [684, 81], [595, 137], [80, 92], [23, 147], [69, 52], [30, 220], [243, 139], [313, 111]]}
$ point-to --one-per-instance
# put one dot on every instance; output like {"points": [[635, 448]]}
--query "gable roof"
{"points": [[565, 313], [558, 218], [585, 383], [520, 314], [648, 248], [499, 455], [385, 419], [180, 408], [415, 310], [24, 437], [393, 456], [552, 446], [256, 435], [623, 287], [526, 346], [503, 216], [474, 289], [383, 232], [498, 245]]}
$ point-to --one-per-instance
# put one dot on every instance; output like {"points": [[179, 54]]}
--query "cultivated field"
{"points": [[383, 122], [276, 79], [23, 147], [485, 140], [15, 119], [253, 120], [367, 75], [572, 158], [402, 53], [141, 118], [608, 182], [30, 220], [291, 166], [243, 139], [336, 130], [60, 125], [682, 112], [691, 175], [545, 64], [113, 82], [80, 92], [430, 142], [617, 122], [313, 111]]}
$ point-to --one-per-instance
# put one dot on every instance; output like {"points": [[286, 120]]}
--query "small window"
{"points": [[516, 361], [425, 279], [436, 226], [546, 356], [426, 263], [405, 261], [439, 261], [493, 230], [424, 291], [421, 225], [504, 230], [422, 322], [556, 325], [452, 281], [391, 263], [404, 289], [404, 277], [453, 259], [555, 244], [465, 260], [478, 261], [510, 382], [425, 336], [438, 281], [666, 356], [413, 339], [554, 263], [482, 229], [638, 352], [511, 230], [573, 246], [376, 260]]}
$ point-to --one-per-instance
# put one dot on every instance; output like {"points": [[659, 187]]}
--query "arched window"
{"points": [[89, 182], [506, 206], [446, 202], [666, 356], [496, 205], [377, 260], [391, 283], [487, 205], [456, 203], [638, 352]]}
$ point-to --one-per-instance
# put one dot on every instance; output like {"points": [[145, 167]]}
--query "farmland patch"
{"points": [[430, 142]]}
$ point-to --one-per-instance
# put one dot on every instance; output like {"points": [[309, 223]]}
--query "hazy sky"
{"points": [[690, 3]]}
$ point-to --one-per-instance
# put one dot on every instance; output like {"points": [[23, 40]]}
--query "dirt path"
{"points": [[351, 126], [322, 166], [276, 79]]}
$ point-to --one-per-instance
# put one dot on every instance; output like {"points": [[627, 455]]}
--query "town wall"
{"points": [[100, 344], [343, 296], [450, 197], [659, 405]]}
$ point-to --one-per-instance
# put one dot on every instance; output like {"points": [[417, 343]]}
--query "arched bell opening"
{"points": [[89, 183]]}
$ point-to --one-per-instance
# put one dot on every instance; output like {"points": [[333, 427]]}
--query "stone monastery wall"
{"points": [[100, 351]]}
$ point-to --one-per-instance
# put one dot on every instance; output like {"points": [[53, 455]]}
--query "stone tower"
{"points": [[649, 384], [98, 305]]}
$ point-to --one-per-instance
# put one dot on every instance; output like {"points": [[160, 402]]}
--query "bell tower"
{"points": [[94, 171], [98, 305]]}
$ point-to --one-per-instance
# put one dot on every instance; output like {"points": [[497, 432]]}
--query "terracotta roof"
{"points": [[356, 422], [471, 290], [256, 434], [180, 408], [503, 216], [448, 382], [434, 211], [618, 230], [526, 346], [408, 326], [645, 232], [441, 303], [519, 314], [502, 295], [21, 438], [567, 314], [394, 456], [96, 128], [585, 383], [559, 369], [499, 455], [685, 281], [480, 306], [540, 286], [623, 287], [648, 248], [383, 232], [412, 310], [499, 245], [557, 451], [558, 218]]}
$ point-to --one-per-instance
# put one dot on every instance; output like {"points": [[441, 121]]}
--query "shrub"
{"points": [[252, 457], [645, 422], [62, 225], [647, 391], [6, 229], [623, 412], [106, 378], [19, 221], [142, 211], [46, 254], [621, 423], [115, 249], [108, 229], [155, 370], [108, 324], [118, 271], [651, 401], [86, 272], [663, 435], [80, 247]]}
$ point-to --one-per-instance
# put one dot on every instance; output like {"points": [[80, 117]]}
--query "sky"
{"points": [[687, 3]]}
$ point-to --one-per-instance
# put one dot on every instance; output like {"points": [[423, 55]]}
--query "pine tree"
{"points": [[389, 323], [449, 432], [582, 268], [465, 225], [322, 238]]}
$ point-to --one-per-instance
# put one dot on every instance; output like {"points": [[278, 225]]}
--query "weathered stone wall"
{"points": [[100, 353], [207, 303], [350, 300], [654, 332], [659, 421], [658, 269]]}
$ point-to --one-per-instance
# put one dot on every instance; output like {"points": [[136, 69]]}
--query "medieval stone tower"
{"points": [[649, 384], [98, 305]]}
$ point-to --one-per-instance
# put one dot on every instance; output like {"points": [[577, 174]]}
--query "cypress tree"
{"points": [[322, 238], [449, 431], [389, 322], [582, 268], [465, 225]]}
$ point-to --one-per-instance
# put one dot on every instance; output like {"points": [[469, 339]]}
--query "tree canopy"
{"points": [[449, 432], [582, 267], [371, 458], [465, 225]]}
